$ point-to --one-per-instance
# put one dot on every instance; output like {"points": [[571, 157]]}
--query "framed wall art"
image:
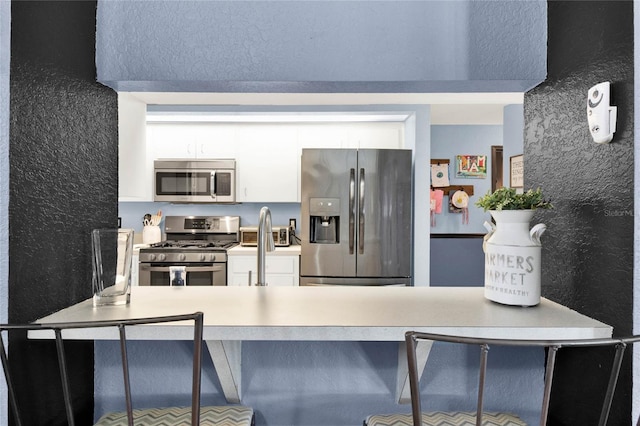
{"points": [[471, 166], [516, 171]]}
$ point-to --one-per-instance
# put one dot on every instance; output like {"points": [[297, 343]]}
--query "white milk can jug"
{"points": [[512, 258]]}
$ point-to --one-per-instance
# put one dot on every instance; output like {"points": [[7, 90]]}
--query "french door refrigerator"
{"points": [[356, 216]]}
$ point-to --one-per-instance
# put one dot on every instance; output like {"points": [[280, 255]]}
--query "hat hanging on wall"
{"points": [[460, 200]]}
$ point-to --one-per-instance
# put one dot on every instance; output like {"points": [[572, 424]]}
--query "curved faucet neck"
{"points": [[265, 243]]}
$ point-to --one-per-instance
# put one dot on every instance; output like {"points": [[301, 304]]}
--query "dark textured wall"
{"points": [[63, 183], [588, 248]]}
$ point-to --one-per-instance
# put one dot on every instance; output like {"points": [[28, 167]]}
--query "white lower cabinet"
{"points": [[279, 270]]}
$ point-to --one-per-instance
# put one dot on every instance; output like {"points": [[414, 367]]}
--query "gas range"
{"points": [[194, 239], [198, 243]]}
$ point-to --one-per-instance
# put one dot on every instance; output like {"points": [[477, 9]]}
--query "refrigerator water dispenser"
{"points": [[324, 220]]}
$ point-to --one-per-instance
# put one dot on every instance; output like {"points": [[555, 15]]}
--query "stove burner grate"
{"points": [[193, 244]]}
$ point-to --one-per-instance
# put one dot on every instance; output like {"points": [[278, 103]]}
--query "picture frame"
{"points": [[471, 166], [516, 171]]}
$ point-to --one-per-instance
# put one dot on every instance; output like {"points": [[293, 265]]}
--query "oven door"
{"points": [[198, 274]]}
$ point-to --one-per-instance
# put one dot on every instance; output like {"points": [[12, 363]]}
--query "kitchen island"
{"points": [[236, 314]]}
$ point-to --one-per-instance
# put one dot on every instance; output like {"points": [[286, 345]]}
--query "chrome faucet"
{"points": [[265, 243]]}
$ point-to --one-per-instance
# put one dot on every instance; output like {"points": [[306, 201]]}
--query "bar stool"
{"points": [[480, 417], [232, 415]]}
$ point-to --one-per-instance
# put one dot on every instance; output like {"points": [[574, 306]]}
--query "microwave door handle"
{"points": [[361, 214], [352, 208], [213, 184]]}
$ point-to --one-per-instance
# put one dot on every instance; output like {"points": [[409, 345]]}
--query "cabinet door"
{"points": [[323, 135], [191, 140], [377, 135], [215, 140], [279, 270], [238, 268], [134, 170], [267, 163], [168, 140]]}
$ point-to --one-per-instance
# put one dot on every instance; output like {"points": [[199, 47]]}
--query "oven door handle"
{"points": [[188, 268]]}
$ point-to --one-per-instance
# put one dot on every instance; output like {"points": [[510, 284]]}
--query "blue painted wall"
{"points": [[457, 262], [327, 383], [132, 212], [446, 143], [513, 137], [321, 46]]}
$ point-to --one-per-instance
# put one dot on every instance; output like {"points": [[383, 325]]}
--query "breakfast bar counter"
{"points": [[327, 313]]}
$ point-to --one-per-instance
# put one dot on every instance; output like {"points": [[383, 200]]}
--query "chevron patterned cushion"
{"points": [[439, 418], [230, 415]]}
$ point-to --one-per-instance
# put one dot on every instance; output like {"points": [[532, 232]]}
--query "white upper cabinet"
{"points": [[134, 171], [266, 163], [267, 154], [323, 135], [376, 135], [215, 140], [389, 135], [191, 140]]}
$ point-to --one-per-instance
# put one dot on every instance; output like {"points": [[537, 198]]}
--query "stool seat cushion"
{"points": [[231, 415], [440, 418]]}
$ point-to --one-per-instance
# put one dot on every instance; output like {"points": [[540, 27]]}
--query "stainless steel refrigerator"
{"points": [[356, 217]]}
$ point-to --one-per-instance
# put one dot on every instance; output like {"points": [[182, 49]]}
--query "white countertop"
{"points": [[338, 313], [253, 251], [325, 313]]}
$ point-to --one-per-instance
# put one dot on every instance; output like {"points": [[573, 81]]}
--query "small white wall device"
{"points": [[600, 114]]}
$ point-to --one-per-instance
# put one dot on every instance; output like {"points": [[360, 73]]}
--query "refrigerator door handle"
{"points": [[352, 209], [361, 214]]}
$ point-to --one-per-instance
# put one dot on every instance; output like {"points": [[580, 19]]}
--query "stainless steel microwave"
{"points": [[195, 181]]}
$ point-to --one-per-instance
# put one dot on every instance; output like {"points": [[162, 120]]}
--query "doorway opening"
{"points": [[496, 167]]}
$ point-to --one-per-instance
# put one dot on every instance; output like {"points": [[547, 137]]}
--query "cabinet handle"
{"points": [[249, 283]]}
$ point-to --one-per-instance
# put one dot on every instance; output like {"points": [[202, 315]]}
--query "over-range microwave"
{"points": [[195, 181], [249, 236]]}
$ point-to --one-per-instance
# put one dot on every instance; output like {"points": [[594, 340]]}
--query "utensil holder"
{"points": [[151, 234]]}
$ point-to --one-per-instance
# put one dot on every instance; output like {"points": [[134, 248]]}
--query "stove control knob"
{"points": [[182, 257], [162, 257], [203, 257], [152, 257]]}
